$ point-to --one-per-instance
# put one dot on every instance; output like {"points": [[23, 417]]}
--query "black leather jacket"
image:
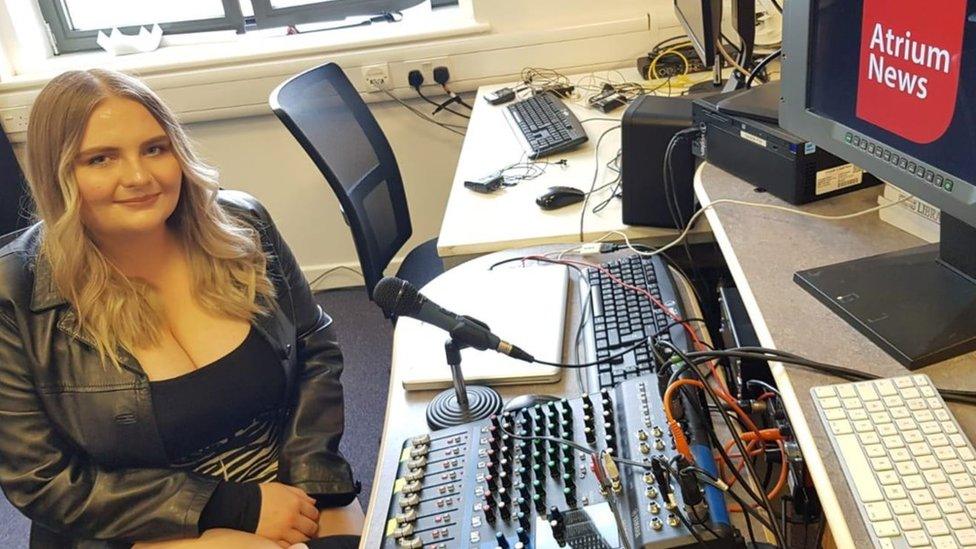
{"points": [[80, 451]]}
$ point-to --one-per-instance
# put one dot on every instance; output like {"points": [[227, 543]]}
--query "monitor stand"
{"points": [[919, 305]]}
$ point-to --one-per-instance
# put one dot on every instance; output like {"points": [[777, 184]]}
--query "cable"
{"points": [[449, 127], [761, 65], [730, 59], [327, 272], [596, 174], [440, 106], [715, 400], [699, 213], [776, 5]]}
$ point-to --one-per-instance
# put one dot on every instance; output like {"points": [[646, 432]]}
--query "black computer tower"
{"points": [[646, 130]]}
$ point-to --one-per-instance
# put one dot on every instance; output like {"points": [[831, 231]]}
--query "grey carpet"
{"points": [[366, 338]]}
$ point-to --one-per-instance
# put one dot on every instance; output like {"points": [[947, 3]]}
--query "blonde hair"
{"points": [[226, 260]]}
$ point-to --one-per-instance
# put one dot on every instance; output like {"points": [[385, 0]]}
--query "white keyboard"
{"points": [[911, 469]]}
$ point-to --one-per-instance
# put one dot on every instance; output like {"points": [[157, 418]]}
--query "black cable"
{"points": [[738, 442], [776, 5], [441, 106], [760, 66], [762, 353], [610, 358]]}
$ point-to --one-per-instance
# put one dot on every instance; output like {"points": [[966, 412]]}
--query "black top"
{"points": [[219, 421]]}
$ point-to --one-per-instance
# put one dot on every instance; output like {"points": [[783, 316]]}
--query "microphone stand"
{"points": [[463, 403]]}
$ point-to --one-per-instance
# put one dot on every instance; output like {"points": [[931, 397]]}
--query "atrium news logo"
{"points": [[909, 66]]}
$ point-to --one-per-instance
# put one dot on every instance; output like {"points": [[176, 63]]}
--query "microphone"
{"points": [[401, 298]]}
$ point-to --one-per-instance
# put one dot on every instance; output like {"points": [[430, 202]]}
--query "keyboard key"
{"points": [[937, 527], [906, 468], [834, 414], [961, 480], [944, 542], [958, 521], [875, 450], [927, 462], [929, 512], [887, 430], [841, 427], [900, 454], [935, 476], [899, 412], [910, 392], [966, 537], [886, 529], [866, 391], [885, 387], [942, 490], [881, 464], [857, 415], [913, 482], [852, 403], [846, 391], [824, 392], [880, 417], [912, 436], [916, 538], [877, 511], [967, 495], [909, 522], [903, 382], [874, 406], [894, 492], [857, 465], [950, 505], [890, 477], [902, 507], [920, 497]]}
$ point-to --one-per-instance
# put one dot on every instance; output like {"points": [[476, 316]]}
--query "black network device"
{"points": [[647, 127], [771, 158]]}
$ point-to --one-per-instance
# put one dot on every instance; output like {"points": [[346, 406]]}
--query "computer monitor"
{"points": [[702, 22], [890, 85]]}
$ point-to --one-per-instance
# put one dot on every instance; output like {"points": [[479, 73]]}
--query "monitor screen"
{"points": [[901, 72]]}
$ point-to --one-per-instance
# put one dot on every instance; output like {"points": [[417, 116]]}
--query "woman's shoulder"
{"points": [[18, 261]]}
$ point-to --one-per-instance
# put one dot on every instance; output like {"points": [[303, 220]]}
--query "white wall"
{"points": [[257, 155]]}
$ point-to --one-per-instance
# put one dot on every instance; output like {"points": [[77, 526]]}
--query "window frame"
{"points": [[266, 16], [65, 39]]}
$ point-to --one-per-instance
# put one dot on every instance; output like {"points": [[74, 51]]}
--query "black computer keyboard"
{"points": [[547, 124], [622, 317]]}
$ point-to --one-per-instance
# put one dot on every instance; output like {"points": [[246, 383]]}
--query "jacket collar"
{"points": [[45, 294]]}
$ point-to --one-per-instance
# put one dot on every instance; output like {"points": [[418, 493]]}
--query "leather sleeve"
{"points": [[56, 485], [310, 457]]}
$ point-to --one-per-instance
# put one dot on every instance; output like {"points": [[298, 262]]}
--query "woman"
{"points": [[164, 371]]}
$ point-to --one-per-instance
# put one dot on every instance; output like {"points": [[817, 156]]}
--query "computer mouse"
{"points": [[525, 401], [558, 197]]}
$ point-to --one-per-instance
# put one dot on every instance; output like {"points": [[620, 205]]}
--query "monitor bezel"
{"points": [[795, 117]]}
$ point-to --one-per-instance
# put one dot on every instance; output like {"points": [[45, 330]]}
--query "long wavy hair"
{"points": [[226, 260]]}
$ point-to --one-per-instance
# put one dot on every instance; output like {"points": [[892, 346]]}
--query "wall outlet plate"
{"points": [[15, 119], [377, 76], [426, 68]]}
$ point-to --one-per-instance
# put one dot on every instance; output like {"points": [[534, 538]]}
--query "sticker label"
{"points": [[809, 148], [841, 177], [754, 138]]}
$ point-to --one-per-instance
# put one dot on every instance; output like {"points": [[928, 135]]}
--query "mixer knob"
{"points": [[564, 406], [411, 543], [539, 487], [525, 475], [587, 403], [492, 467], [524, 492], [501, 541], [570, 494], [540, 503], [406, 518], [493, 423], [489, 498], [506, 479], [523, 535], [414, 475], [409, 501], [505, 511], [553, 466], [566, 426], [489, 514], [590, 434], [608, 417], [524, 520], [523, 505], [403, 531]]}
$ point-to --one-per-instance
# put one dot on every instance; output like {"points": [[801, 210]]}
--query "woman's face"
{"points": [[127, 174]]}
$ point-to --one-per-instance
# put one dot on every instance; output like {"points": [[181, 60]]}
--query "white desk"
{"points": [[476, 224], [763, 249]]}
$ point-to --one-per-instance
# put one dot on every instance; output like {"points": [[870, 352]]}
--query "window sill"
{"points": [[242, 51]]}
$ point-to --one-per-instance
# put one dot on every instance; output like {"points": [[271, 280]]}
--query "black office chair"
{"points": [[325, 113]]}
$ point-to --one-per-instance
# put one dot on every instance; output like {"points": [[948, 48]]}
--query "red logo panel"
{"points": [[909, 66]]}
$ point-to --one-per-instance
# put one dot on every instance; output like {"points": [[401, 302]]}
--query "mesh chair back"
{"points": [[325, 113]]}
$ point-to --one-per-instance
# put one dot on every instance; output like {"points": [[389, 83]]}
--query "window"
{"points": [[74, 24]]}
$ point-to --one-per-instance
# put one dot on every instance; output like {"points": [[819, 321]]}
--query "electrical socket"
{"points": [[377, 76], [426, 68], [15, 119]]}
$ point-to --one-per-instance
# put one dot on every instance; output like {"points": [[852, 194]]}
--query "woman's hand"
{"points": [[288, 515]]}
